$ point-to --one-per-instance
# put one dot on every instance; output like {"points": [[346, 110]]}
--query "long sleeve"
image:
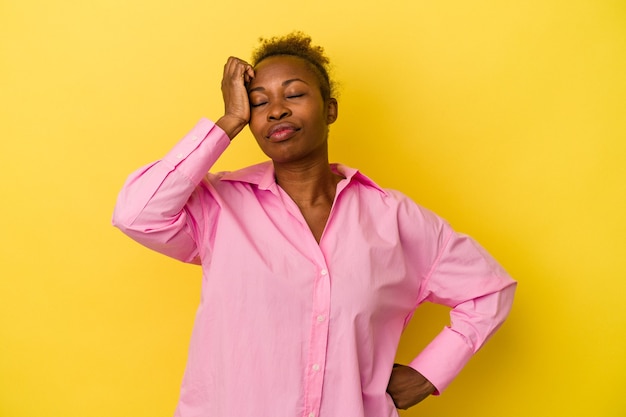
{"points": [[154, 206], [466, 278]]}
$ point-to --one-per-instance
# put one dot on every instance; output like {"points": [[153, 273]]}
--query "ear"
{"points": [[331, 111]]}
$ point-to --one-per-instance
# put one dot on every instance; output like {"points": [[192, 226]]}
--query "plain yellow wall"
{"points": [[508, 118]]}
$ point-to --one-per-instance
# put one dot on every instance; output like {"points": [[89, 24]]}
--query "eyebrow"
{"points": [[284, 84]]}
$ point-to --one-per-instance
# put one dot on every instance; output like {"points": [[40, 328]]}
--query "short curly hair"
{"points": [[298, 44]]}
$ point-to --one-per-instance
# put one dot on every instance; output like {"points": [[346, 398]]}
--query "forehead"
{"points": [[280, 68]]}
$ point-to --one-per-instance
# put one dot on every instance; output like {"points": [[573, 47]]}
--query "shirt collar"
{"points": [[262, 175]]}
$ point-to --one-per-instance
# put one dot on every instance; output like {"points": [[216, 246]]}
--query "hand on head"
{"points": [[237, 73]]}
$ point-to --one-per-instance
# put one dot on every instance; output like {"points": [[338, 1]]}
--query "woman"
{"points": [[310, 270]]}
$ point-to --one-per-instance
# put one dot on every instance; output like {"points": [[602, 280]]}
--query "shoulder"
{"points": [[412, 213], [407, 212]]}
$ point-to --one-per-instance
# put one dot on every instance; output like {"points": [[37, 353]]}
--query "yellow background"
{"points": [[508, 118]]}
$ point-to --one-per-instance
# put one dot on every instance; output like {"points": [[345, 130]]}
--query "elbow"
{"points": [[508, 294], [133, 222], [495, 308], [478, 319], [123, 219]]}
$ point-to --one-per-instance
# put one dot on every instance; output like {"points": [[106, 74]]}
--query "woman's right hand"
{"points": [[237, 73]]}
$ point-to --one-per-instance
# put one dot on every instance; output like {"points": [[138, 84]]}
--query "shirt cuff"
{"points": [[442, 360], [198, 150]]}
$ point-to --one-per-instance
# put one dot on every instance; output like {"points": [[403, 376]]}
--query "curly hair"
{"points": [[298, 44]]}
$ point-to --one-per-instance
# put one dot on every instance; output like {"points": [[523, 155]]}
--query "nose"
{"points": [[278, 111]]}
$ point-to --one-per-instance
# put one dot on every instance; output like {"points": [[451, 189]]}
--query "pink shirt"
{"points": [[287, 327]]}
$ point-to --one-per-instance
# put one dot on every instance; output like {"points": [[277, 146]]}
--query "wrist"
{"points": [[231, 125]]}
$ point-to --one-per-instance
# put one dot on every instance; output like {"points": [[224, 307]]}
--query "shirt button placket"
{"points": [[317, 355]]}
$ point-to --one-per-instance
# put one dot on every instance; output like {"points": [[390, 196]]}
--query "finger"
{"points": [[243, 70], [236, 67], [230, 66], [248, 74]]}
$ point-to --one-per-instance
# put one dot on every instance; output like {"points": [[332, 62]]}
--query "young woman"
{"points": [[310, 270]]}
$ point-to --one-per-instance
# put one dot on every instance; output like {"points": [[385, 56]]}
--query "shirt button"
{"points": [[179, 156], [311, 414], [320, 318], [324, 272], [316, 367], [194, 137]]}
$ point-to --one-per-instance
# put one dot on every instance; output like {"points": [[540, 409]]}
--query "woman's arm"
{"points": [[155, 206], [480, 292], [462, 276]]}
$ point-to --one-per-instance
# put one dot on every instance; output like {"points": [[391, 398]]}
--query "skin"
{"points": [[284, 92], [408, 387], [281, 101]]}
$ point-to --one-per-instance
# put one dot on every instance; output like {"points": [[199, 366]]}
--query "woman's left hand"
{"points": [[408, 387]]}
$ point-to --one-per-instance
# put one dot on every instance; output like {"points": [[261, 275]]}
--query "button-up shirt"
{"points": [[287, 326]]}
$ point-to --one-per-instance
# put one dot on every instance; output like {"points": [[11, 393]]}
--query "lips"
{"points": [[281, 131]]}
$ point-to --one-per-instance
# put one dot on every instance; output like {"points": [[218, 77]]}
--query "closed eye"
{"points": [[258, 104], [295, 95]]}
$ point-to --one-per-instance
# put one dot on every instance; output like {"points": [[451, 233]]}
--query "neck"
{"points": [[308, 184]]}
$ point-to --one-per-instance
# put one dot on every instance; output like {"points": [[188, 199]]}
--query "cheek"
{"points": [[255, 125]]}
